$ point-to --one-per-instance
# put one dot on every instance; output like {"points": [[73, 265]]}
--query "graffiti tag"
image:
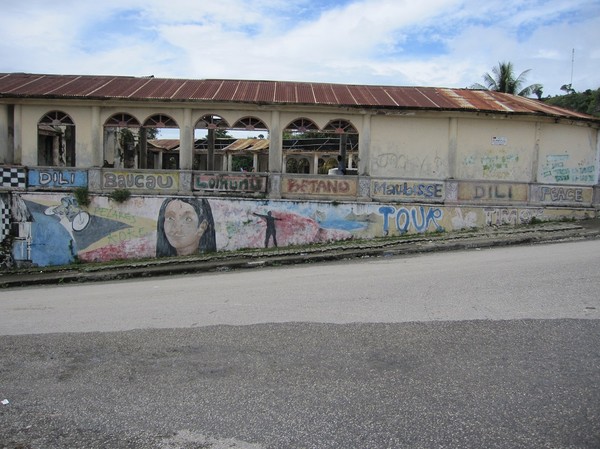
{"points": [[230, 183], [148, 181], [419, 219]]}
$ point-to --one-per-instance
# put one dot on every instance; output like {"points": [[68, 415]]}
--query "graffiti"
{"points": [[49, 177], [561, 194], [556, 169], [69, 211], [406, 189], [492, 192], [419, 218], [494, 166], [497, 216], [393, 161], [114, 214], [466, 221], [149, 181], [126, 235], [319, 186], [230, 183], [271, 229]]}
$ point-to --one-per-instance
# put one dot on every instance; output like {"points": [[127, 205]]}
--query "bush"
{"points": [[120, 195], [82, 195]]}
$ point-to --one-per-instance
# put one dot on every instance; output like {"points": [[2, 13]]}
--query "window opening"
{"points": [[56, 140], [121, 141]]}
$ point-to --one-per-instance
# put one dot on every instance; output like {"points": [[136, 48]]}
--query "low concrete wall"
{"points": [[50, 228]]}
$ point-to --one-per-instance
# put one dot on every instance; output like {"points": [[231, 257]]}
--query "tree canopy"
{"points": [[503, 79], [587, 102]]}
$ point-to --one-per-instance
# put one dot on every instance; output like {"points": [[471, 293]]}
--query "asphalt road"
{"points": [[497, 348]]}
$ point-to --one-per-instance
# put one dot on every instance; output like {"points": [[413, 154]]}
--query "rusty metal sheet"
{"points": [[140, 88], [265, 92], [159, 88], [119, 87], [343, 95], [227, 90], [305, 93], [285, 92], [363, 95], [199, 90], [324, 94]]}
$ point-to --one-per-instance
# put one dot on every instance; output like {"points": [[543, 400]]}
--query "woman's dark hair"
{"points": [[208, 242]]}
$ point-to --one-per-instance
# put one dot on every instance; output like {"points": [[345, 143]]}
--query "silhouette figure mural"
{"points": [[271, 230]]}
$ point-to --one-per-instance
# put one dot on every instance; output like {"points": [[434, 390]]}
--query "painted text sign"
{"points": [[230, 183], [57, 177], [325, 186], [407, 190], [500, 192], [158, 181], [557, 195]]}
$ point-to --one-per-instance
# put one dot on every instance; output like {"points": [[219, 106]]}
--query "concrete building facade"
{"points": [[418, 160]]}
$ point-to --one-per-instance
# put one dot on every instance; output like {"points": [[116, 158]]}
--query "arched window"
{"points": [[211, 121], [156, 151], [250, 124], [302, 125], [206, 143], [56, 140], [121, 141], [340, 126], [160, 121]]}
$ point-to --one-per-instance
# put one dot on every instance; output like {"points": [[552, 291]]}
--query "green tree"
{"points": [[503, 79], [587, 102]]}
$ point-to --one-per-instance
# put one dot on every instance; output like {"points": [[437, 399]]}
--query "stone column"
{"points": [[364, 146], [275, 145], [186, 142]]}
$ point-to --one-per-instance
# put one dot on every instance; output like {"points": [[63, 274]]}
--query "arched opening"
{"points": [[210, 138], [121, 140], [303, 140], [250, 150], [157, 152], [347, 138], [56, 140]]}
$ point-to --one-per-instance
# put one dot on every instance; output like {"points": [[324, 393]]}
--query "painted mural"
{"points": [[52, 229]]}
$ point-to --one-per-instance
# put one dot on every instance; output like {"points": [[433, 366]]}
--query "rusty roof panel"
{"points": [[409, 97], [161, 88], [81, 86], [121, 87], [14, 85], [285, 93], [362, 95], [324, 94], [199, 90], [227, 90], [342, 93], [265, 92], [305, 93], [47, 85]]}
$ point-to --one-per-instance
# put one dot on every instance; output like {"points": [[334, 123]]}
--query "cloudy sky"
{"points": [[444, 43]]}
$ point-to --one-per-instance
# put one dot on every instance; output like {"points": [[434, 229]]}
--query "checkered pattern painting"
{"points": [[12, 177], [4, 217]]}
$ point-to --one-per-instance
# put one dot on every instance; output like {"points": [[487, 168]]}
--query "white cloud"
{"points": [[435, 43]]}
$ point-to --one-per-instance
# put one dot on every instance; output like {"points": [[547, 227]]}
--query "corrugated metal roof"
{"points": [[19, 85]]}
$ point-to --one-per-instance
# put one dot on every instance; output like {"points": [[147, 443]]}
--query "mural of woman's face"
{"points": [[182, 227]]}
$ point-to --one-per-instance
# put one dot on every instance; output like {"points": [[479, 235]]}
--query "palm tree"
{"points": [[504, 80]]}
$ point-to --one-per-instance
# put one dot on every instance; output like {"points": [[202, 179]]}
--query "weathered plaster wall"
{"points": [[495, 149], [410, 147], [568, 154]]}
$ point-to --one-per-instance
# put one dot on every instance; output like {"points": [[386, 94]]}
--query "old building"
{"points": [[419, 159]]}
